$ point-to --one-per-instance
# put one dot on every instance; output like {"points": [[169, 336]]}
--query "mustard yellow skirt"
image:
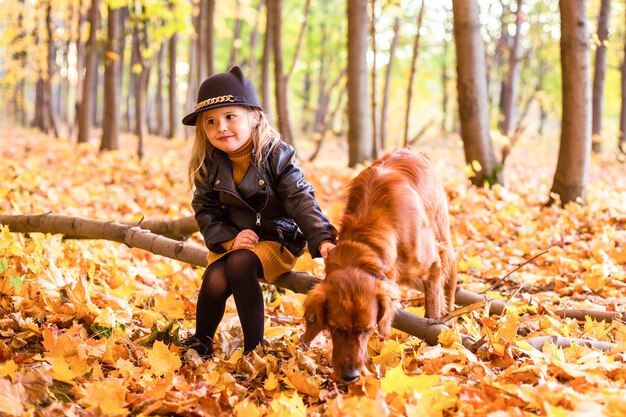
{"points": [[275, 262]]}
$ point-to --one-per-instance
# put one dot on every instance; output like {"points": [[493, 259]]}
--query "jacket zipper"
{"points": [[258, 213], [281, 239]]}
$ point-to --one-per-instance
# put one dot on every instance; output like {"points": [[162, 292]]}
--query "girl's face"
{"points": [[228, 128]]}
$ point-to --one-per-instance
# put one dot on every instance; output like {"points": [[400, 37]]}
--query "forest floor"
{"points": [[90, 328]]}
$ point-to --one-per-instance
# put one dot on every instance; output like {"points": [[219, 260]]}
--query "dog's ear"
{"points": [[314, 313], [387, 294]]}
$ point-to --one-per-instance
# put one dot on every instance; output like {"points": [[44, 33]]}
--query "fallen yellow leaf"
{"points": [[395, 380], [161, 360], [302, 382]]}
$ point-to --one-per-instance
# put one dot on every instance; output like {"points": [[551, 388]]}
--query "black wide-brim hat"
{"points": [[230, 88]]}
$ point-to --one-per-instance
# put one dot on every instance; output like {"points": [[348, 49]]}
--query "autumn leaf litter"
{"points": [[91, 328]]}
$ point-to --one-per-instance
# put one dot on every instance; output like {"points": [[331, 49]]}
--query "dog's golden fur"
{"points": [[395, 230]]}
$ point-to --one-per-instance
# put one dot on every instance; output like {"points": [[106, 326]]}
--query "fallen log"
{"points": [[581, 315], [133, 235], [177, 229], [564, 342]]}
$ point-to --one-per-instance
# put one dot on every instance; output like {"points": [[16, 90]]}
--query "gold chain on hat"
{"points": [[214, 100]]}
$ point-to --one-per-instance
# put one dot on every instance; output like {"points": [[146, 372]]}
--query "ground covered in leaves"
{"points": [[91, 328]]}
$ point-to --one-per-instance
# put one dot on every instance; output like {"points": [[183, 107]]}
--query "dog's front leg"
{"points": [[433, 292]]}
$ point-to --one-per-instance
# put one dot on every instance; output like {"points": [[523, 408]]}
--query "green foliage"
{"points": [[168, 334], [102, 332]]}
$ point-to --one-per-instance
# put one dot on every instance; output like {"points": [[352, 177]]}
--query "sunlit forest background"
{"points": [[168, 47]]}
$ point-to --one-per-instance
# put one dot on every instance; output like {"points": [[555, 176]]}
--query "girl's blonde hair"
{"points": [[264, 137]]}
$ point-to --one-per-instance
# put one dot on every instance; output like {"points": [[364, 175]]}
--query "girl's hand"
{"points": [[246, 239], [325, 248]]}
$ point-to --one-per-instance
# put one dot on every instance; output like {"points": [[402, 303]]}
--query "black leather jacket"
{"points": [[275, 201]]}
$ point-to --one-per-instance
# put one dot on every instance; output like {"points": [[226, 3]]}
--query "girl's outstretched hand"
{"points": [[325, 248], [246, 239]]}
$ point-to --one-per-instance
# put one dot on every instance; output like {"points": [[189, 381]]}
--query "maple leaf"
{"points": [[161, 360], [108, 396], [390, 354], [284, 405], [247, 408], [8, 368], [302, 382], [361, 406], [271, 382], [395, 380]]}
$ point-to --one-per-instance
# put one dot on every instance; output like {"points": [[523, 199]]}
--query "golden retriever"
{"points": [[395, 230]]}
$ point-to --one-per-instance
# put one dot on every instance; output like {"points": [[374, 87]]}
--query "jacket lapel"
{"points": [[253, 181]]}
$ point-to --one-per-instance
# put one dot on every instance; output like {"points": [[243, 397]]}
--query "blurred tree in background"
{"points": [[85, 70]]}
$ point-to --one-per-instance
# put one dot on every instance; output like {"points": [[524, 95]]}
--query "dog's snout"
{"points": [[350, 375]]}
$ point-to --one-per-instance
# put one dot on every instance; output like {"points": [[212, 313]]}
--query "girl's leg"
{"points": [[211, 303], [243, 270]]}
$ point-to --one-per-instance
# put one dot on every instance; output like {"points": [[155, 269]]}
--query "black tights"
{"points": [[236, 273]]}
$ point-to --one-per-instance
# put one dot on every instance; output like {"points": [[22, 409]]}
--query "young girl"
{"points": [[255, 210]]}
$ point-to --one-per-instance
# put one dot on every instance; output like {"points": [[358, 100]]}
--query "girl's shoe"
{"points": [[204, 349]]}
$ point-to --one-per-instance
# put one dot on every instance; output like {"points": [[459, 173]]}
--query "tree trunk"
{"points": [[234, 45], [51, 70], [409, 94], [512, 83], [80, 65], [359, 120], [598, 76], [254, 40], [112, 85], [123, 91], [374, 77], [193, 83], [209, 44], [159, 111], [205, 40], [572, 167], [303, 29], [84, 106], [621, 139], [19, 58], [386, 87], [496, 63], [141, 92], [172, 102], [280, 79], [321, 107], [96, 115], [44, 115], [445, 78], [202, 48], [472, 94], [324, 117], [132, 85], [266, 96]]}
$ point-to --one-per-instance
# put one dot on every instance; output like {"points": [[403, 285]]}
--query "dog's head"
{"points": [[350, 303]]}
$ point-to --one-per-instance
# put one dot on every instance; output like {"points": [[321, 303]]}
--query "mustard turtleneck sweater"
{"points": [[275, 262], [241, 159]]}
